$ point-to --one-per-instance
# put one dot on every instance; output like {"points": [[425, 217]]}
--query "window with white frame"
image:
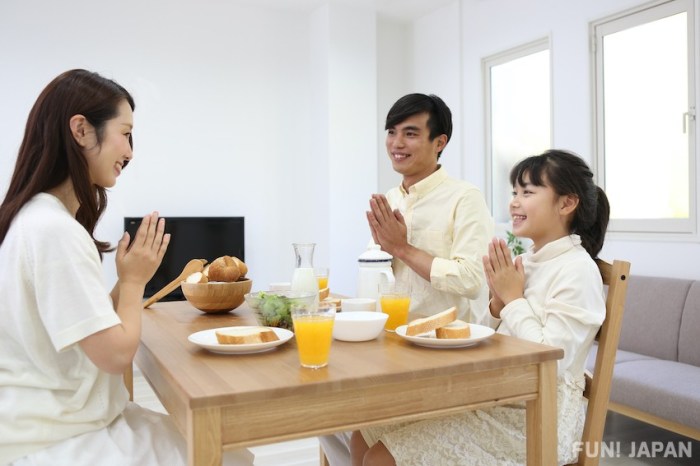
{"points": [[645, 118], [518, 122]]}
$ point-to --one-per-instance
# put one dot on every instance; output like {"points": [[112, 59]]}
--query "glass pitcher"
{"points": [[304, 278]]}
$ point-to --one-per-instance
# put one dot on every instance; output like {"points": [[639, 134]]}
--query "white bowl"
{"points": [[358, 325], [358, 304]]}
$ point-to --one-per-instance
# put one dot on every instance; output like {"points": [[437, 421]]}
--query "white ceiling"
{"points": [[397, 9]]}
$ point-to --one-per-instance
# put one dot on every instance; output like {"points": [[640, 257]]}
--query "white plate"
{"points": [[478, 333], [207, 340]]}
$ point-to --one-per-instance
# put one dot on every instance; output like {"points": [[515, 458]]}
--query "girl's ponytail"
{"points": [[593, 234]]}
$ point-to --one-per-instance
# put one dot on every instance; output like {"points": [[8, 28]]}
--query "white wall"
{"points": [[437, 69], [422, 56], [394, 68], [352, 126], [492, 26], [227, 116], [278, 115]]}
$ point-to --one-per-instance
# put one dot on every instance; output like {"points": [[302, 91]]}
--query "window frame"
{"points": [[661, 229]]}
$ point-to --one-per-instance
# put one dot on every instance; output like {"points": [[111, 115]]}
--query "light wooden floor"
{"points": [[622, 434]]}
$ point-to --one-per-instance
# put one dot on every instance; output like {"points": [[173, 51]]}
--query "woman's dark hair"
{"points": [[568, 174], [440, 116], [49, 154]]}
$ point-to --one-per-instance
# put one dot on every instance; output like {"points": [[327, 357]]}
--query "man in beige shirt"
{"points": [[437, 228]]}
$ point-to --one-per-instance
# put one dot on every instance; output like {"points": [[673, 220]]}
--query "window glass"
{"points": [[519, 108], [645, 119], [646, 94]]}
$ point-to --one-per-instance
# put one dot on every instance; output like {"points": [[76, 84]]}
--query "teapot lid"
{"points": [[374, 253]]}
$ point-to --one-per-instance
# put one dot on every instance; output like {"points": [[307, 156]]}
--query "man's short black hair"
{"points": [[440, 116]]}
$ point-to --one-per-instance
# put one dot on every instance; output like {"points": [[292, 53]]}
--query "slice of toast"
{"points": [[428, 324], [245, 335], [330, 300], [455, 329], [323, 293]]}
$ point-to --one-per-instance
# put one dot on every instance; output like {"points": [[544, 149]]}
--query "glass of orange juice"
{"points": [[313, 330], [322, 277], [395, 300]]}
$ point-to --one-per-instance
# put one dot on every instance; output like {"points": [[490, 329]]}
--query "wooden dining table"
{"points": [[228, 401]]}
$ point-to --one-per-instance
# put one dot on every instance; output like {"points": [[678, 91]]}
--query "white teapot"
{"points": [[375, 268]]}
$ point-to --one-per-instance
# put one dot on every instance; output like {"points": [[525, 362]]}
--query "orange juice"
{"points": [[322, 282], [313, 334], [397, 308]]}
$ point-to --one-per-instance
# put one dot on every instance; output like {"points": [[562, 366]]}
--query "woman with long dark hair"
{"points": [[65, 340]]}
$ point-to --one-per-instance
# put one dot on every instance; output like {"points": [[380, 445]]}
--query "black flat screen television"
{"points": [[192, 238]]}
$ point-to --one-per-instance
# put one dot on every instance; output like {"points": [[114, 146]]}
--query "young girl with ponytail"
{"points": [[552, 294]]}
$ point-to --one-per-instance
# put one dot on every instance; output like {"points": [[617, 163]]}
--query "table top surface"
{"points": [[209, 379]]}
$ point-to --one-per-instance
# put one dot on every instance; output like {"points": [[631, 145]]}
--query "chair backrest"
{"points": [[598, 386]]}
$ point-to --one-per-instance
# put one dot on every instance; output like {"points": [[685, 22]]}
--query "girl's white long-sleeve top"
{"points": [[556, 309]]}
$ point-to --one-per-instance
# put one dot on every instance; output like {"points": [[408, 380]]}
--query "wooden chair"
{"points": [[598, 385]]}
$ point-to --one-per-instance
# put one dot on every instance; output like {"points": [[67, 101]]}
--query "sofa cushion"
{"points": [[620, 356], [688, 341], [663, 388], [652, 316]]}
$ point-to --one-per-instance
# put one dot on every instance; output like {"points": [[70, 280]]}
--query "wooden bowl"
{"points": [[217, 297]]}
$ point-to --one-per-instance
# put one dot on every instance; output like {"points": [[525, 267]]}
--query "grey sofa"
{"points": [[657, 370]]}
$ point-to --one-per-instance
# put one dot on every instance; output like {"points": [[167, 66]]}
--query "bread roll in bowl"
{"points": [[241, 265], [224, 269], [197, 277]]}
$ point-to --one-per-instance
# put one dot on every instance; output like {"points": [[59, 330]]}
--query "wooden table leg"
{"points": [[204, 443], [542, 419]]}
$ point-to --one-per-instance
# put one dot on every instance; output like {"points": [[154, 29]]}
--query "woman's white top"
{"points": [[51, 296]]}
